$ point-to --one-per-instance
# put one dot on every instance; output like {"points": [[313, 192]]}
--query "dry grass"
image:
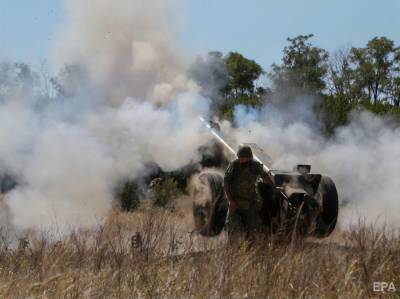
{"points": [[171, 263]]}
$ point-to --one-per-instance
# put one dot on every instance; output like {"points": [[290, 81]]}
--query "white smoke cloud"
{"points": [[363, 158], [128, 48], [69, 165], [131, 104]]}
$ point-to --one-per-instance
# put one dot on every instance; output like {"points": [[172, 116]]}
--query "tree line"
{"points": [[339, 82], [336, 83]]}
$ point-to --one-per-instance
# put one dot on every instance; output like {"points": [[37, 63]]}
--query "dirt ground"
{"points": [[168, 260]]}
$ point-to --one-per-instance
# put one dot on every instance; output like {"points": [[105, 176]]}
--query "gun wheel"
{"points": [[327, 219], [209, 205]]}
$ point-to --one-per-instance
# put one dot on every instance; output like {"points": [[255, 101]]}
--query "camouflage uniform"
{"points": [[242, 178]]}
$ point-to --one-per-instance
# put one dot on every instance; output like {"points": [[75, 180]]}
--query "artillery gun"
{"points": [[302, 203]]}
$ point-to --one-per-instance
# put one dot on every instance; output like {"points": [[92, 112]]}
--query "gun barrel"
{"points": [[216, 135], [227, 146]]}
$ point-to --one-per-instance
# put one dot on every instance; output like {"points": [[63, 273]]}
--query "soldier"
{"points": [[240, 189]]}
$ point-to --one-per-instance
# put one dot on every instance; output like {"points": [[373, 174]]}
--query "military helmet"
{"points": [[245, 152]]}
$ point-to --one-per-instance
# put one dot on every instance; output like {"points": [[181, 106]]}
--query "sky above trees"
{"points": [[256, 28]]}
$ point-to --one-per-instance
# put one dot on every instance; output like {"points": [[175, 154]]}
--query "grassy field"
{"points": [[170, 262]]}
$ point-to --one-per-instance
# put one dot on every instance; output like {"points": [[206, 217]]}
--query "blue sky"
{"points": [[28, 27], [256, 28]]}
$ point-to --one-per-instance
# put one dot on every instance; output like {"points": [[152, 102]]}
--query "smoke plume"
{"points": [[128, 100], [128, 48], [128, 103], [362, 158]]}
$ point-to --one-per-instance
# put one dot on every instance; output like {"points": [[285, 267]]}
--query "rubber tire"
{"points": [[326, 221], [210, 214]]}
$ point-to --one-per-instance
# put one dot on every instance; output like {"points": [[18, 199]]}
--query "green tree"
{"points": [[341, 75], [228, 81], [394, 86], [394, 91], [303, 67], [373, 67], [334, 111], [242, 74]]}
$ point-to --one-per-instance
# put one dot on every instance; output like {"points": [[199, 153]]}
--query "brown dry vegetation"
{"points": [[169, 262]]}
